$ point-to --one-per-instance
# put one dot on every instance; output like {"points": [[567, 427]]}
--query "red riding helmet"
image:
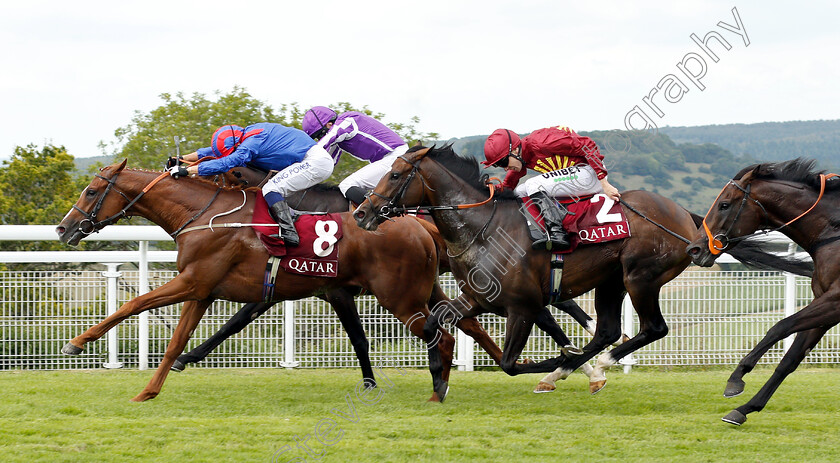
{"points": [[499, 145]]}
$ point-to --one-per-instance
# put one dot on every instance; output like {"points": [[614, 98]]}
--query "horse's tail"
{"points": [[440, 244], [753, 253]]}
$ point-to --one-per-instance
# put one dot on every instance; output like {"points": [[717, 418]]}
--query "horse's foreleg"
{"points": [[820, 313], [608, 298], [173, 292], [517, 332], [572, 308], [190, 316], [546, 322], [473, 329], [802, 345], [439, 345], [345, 307], [248, 313]]}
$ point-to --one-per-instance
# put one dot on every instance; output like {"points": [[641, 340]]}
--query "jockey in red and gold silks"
{"points": [[571, 166], [554, 148]]}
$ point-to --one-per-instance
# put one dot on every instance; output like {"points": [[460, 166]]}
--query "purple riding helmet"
{"points": [[315, 121]]}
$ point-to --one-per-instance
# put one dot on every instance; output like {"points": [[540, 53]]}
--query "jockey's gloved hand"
{"points": [[178, 171], [173, 161]]}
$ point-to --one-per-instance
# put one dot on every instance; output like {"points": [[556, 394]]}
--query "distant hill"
{"points": [[771, 141], [83, 165]]}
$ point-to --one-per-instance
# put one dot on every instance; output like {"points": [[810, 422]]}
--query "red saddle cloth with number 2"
{"points": [[317, 254], [597, 219]]}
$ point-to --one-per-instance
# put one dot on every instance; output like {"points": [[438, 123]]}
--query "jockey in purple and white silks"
{"points": [[362, 137], [299, 161]]}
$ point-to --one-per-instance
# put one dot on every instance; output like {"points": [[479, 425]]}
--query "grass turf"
{"points": [[251, 415]]}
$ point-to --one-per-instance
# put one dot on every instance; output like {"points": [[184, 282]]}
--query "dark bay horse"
{"points": [[493, 252], [229, 263], [328, 198], [804, 205]]}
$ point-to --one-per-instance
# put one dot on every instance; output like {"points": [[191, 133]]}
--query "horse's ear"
{"points": [[764, 170], [122, 165]]}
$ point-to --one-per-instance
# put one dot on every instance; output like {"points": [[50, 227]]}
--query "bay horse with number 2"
{"points": [[639, 265], [804, 205]]}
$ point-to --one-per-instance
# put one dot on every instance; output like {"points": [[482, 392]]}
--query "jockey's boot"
{"points": [[356, 195], [281, 212], [557, 239]]}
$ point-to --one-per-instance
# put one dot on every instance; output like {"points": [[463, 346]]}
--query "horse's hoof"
{"points": [[735, 417], [143, 396], [70, 349], [733, 388], [442, 390], [596, 386], [370, 383], [178, 366], [544, 387]]}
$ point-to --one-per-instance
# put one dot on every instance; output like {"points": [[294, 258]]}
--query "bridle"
{"points": [[719, 242], [90, 224], [392, 209]]}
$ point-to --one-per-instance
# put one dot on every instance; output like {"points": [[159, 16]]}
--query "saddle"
{"points": [[317, 253], [591, 220]]}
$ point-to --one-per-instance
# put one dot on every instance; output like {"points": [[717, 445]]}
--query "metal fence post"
{"points": [[111, 305], [289, 335], [143, 325], [466, 352], [790, 297], [627, 312]]}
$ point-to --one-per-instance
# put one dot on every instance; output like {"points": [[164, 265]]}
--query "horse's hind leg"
{"points": [[248, 313], [191, 314], [804, 342]]}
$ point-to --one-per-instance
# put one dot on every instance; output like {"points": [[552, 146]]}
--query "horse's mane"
{"points": [[799, 170], [206, 181], [324, 187], [464, 168]]}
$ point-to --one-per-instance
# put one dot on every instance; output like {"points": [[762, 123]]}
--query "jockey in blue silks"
{"points": [[299, 161]]}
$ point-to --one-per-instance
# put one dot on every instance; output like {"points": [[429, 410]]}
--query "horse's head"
{"points": [[99, 205], [734, 215], [402, 186]]}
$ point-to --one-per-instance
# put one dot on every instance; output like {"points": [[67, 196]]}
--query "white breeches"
{"points": [[368, 176], [571, 182], [314, 168]]}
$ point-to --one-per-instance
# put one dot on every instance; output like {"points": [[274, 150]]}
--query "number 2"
{"points": [[604, 215]]}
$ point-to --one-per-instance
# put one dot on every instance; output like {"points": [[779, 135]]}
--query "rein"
{"points": [[721, 241], [392, 209]]}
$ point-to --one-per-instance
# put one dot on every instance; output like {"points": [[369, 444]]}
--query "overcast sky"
{"points": [[73, 72]]}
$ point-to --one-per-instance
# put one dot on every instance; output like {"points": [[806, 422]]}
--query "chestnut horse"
{"points": [[639, 265], [804, 205], [398, 266]]}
